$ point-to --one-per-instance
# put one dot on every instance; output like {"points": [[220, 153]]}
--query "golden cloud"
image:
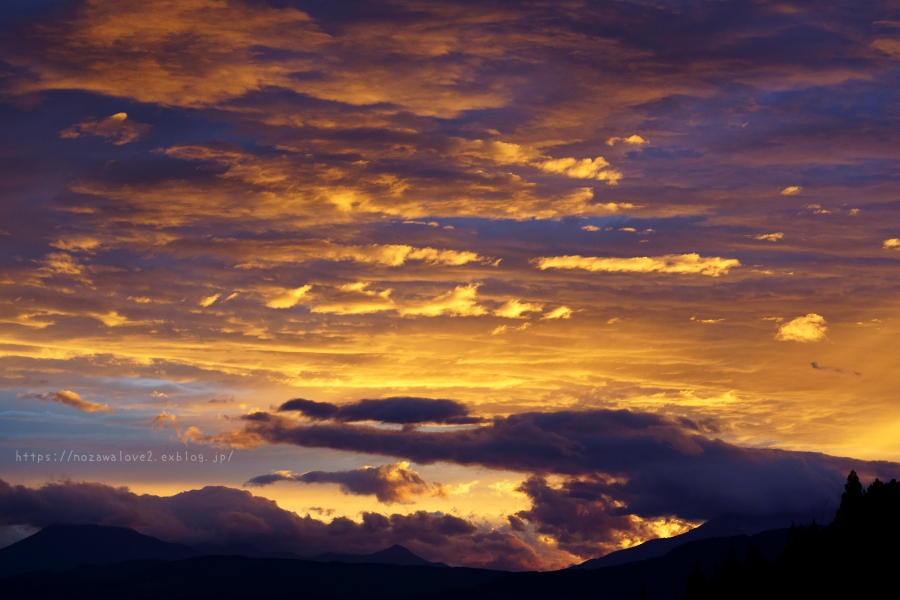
{"points": [[634, 140], [562, 312], [513, 309], [287, 298], [810, 328], [682, 264], [356, 299], [209, 300], [583, 169], [460, 302]]}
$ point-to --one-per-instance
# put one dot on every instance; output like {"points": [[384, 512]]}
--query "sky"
{"points": [[513, 284]]}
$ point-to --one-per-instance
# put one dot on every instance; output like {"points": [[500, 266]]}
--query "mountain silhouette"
{"points": [[395, 555], [725, 526], [239, 577], [62, 547]]}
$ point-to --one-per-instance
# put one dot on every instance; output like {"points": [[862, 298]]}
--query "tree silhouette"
{"points": [[860, 545], [697, 586]]}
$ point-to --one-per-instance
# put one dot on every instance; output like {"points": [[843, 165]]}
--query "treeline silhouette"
{"points": [[859, 550]]}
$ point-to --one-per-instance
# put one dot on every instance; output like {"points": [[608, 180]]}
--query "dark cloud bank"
{"points": [[656, 465], [613, 464], [589, 474]]}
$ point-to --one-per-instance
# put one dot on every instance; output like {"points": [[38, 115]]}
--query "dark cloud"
{"points": [[656, 467], [317, 411], [221, 517], [389, 483], [579, 515], [399, 410]]}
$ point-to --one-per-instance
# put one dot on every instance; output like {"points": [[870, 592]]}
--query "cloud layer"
{"points": [[388, 483], [615, 465], [219, 518]]}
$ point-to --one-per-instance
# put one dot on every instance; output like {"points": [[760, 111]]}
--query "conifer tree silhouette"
{"points": [[697, 586]]}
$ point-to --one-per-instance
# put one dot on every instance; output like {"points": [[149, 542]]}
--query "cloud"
{"points": [[255, 253], [221, 519], [634, 140], [209, 300], [513, 309], [769, 237], [817, 209], [390, 483], [510, 153], [71, 399], [118, 129], [579, 515], [583, 169], [501, 329], [810, 328], [837, 370], [399, 410], [623, 463], [892, 244], [110, 319], [459, 302], [164, 419], [682, 264], [77, 243], [793, 190], [561, 312], [888, 46], [287, 298], [355, 299], [317, 411], [60, 263]]}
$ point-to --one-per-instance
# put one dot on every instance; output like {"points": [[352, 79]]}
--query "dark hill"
{"points": [[239, 577], [62, 547], [395, 555]]}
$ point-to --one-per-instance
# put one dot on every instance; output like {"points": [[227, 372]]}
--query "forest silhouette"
{"points": [[858, 550]]}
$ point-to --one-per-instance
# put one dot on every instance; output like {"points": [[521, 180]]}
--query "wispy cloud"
{"points": [[683, 264]]}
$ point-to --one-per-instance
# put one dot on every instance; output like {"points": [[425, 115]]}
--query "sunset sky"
{"points": [[564, 276]]}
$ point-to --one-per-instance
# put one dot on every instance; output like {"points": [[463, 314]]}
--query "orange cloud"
{"points": [[117, 129], [70, 398]]}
